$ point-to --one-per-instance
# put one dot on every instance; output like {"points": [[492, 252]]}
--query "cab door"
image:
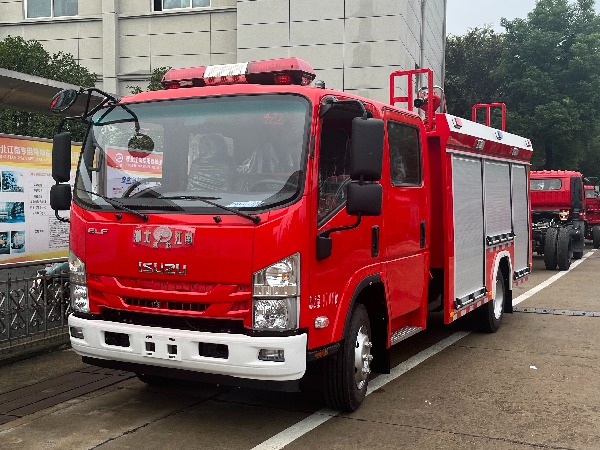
{"points": [[405, 214], [356, 251]]}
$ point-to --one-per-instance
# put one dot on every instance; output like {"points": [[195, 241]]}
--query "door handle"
{"points": [[423, 229]]}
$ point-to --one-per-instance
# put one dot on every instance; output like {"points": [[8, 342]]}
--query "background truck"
{"points": [[592, 212], [276, 227], [558, 216]]}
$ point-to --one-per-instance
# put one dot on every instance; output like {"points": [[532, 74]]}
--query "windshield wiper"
{"points": [[254, 219], [117, 204]]}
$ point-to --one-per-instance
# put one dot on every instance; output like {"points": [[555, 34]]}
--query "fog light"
{"points": [[76, 332], [268, 354]]}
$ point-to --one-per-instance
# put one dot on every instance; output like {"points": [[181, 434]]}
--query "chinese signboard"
{"points": [[29, 230]]}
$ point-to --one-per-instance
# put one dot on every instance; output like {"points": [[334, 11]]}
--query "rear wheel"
{"points": [[490, 314], [596, 236], [550, 248], [347, 371], [564, 250]]}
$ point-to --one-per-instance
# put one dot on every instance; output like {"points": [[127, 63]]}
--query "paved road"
{"points": [[533, 384]]}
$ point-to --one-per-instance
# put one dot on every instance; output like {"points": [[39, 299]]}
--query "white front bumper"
{"points": [[183, 353]]}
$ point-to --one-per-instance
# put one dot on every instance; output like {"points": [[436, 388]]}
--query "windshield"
{"points": [[545, 184], [196, 155]]}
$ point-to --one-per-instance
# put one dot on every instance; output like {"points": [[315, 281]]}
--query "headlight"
{"points": [[79, 292], [275, 294]]}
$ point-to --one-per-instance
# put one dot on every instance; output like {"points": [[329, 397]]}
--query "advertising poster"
{"points": [[29, 230], [126, 167]]}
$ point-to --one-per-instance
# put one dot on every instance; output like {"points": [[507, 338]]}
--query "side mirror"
{"points": [[364, 199], [60, 197], [63, 100], [366, 152], [61, 157], [140, 145]]}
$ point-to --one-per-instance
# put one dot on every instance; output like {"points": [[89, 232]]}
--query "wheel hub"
{"points": [[499, 298], [362, 358]]}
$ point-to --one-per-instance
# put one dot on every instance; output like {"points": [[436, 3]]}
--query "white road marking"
{"points": [[290, 434], [534, 290], [299, 429]]}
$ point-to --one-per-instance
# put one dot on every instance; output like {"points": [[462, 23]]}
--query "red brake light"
{"points": [[274, 71]]}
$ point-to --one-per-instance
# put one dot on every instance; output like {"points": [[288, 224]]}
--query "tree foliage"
{"points": [[153, 83], [469, 61], [546, 68], [31, 58]]}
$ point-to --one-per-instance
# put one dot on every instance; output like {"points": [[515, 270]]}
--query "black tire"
{"points": [[596, 236], [347, 371], [550, 248], [489, 316], [564, 249]]}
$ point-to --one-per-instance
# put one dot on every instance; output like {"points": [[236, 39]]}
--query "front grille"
{"points": [[233, 326], [173, 286], [166, 304]]}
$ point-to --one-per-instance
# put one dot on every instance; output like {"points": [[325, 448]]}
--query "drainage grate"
{"points": [[557, 312], [30, 399]]}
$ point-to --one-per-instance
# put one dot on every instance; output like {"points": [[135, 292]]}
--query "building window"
{"points": [[405, 154], [160, 5], [51, 8]]}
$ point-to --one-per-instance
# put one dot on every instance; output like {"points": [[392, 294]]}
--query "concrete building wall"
{"points": [[352, 44]]}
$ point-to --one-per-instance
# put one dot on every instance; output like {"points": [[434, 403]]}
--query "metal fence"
{"points": [[33, 308]]}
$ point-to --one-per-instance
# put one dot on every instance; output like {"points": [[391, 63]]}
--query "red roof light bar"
{"points": [[272, 71]]}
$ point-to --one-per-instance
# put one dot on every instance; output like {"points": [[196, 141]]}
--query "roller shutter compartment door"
{"points": [[469, 236]]}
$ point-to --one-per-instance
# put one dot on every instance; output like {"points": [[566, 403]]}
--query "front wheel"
{"points": [[490, 314], [347, 371]]}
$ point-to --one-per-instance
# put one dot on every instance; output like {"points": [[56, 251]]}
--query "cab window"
{"points": [[405, 154]]}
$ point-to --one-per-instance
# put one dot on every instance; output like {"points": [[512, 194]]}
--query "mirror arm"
{"points": [[107, 99], [326, 233], [62, 219]]}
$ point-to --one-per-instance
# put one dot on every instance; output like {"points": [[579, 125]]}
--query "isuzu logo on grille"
{"points": [[163, 237], [163, 268]]}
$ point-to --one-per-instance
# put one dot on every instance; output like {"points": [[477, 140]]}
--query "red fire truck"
{"points": [[558, 216], [592, 212], [241, 226]]}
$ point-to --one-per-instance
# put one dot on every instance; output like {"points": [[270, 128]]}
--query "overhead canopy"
{"points": [[33, 94]]}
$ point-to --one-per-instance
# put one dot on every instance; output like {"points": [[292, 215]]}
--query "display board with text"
{"points": [[29, 230]]}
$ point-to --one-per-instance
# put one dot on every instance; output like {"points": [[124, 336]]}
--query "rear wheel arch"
{"points": [[503, 264], [489, 316], [505, 267]]}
